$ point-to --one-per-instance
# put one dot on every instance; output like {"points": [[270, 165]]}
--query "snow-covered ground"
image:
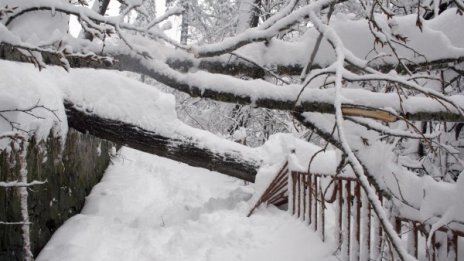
{"points": [[151, 208]]}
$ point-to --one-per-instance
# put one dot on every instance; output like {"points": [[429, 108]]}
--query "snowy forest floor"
{"points": [[151, 208]]}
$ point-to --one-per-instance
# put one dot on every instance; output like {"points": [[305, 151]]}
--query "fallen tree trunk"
{"points": [[231, 163]]}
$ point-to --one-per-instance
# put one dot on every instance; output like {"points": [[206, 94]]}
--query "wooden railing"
{"points": [[277, 191], [357, 229]]}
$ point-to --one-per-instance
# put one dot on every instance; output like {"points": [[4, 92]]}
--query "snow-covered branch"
{"points": [[21, 184], [382, 106], [256, 92], [281, 22]]}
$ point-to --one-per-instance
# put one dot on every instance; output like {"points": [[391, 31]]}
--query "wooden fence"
{"points": [[358, 231], [357, 228]]}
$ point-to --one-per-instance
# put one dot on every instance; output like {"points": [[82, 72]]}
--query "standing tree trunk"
{"points": [[248, 16]]}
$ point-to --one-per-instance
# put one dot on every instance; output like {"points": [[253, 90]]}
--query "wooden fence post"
{"points": [[310, 203], [346, 224], [452, 245], [412, 239], [315, 202], [322, 210], [365, 228], [340, 211], [293, 174], [303, 177], [355, 239]]}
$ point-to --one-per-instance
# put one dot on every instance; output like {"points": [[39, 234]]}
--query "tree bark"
{"points": [[231, 163]]}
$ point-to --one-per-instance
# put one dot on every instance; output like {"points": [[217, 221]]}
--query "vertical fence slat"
{"points": [[442, 245], [369, 226], [315, 202], [322, 211], [310, 203], [340, 211], [452, 246], [397, 226], [298, 184], [308, 195], [377, 235], [380, 227], [293, 174], [355, 238], [432, 248], [412, 239], [348, 212], [303, 177], [457, 247], [345, 247], [365, 228]]}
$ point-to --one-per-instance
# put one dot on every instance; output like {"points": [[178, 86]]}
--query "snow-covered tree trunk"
{"points": [[248, 15], [183, 149], [24, 205], [18, 145]]}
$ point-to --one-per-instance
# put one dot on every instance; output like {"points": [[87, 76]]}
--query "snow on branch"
{"points": [[21, 184], [281, 22], [14, 223], [94, 23], [359, 102]]}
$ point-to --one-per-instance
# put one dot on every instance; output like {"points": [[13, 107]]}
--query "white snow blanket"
{"points": [[150, 208]]}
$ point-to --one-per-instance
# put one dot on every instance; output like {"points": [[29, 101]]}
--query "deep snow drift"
{"points": [[151, 208]]}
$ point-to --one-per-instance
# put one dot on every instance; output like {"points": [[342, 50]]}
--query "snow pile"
{"points": [[150, 208], [29, 103], [285, 147], [280, 146]]}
